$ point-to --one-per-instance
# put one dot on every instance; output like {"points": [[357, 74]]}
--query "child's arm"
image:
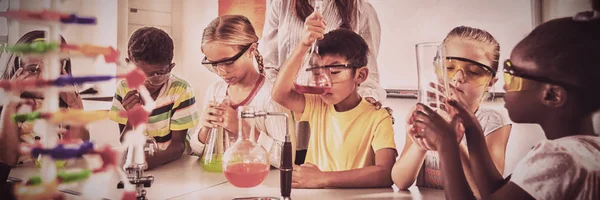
{"points": [[443, 135], [483, 169], [9, 135], [283, 89], [407, 167], [172, 153], [309, 175], [496, 144], [183, 117]]}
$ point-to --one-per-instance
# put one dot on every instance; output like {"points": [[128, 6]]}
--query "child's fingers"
{"points": [[17, 73], [441, 106], [428, 145], [296, 185], [421, 116], [419, 142], [436, 95], [432, 115], [207, 124], [308, 165], [212, 118], [215, 111], [438, 87]]}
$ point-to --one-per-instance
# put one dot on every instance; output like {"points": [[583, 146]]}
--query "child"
{"points": [[151, 50], [13, 134], [472, 62], [351, 143], [550, 80], [229, 43], [26, 68]]}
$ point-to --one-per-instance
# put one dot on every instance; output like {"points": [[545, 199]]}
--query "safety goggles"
{"points": [[225, 65], [336, 72], [472, 71], [157, 78], [515, 80]]}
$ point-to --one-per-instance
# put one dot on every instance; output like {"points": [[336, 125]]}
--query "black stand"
{"points": [[135, 174]]}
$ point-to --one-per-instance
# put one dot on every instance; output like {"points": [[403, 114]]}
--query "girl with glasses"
{"points": [[552, 79], [229, 43], [13, 134], [471, 63]]}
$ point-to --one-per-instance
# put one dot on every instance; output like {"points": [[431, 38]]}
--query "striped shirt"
{"points": [[283, 30], [175, 110]]}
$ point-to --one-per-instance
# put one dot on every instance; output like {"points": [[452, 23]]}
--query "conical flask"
{"points": [[311, 79], [246, 163], [217, 142]]}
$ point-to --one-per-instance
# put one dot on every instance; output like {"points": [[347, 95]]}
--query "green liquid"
{"points": [[214, 165], [59, 163]]}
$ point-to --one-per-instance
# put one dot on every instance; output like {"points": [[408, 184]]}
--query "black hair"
{"points": [[569, 48], [345, 43], [150, 45]]}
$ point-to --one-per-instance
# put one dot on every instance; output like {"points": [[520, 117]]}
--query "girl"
{"points": [[550, 79], [472, 61], [24, 68], [229, 44]]}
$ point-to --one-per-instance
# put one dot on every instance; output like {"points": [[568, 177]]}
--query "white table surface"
{"points": [[270, 188], [185, 179], [174, 179]]}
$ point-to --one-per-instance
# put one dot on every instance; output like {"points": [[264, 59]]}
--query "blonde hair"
{"points": [[491, 46], [235, 30]]}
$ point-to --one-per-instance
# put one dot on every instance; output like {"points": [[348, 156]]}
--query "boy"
{"points": [[151, 50], [352, 143]]}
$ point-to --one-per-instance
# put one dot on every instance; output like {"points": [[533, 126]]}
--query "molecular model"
{"points": [[51, 148]]}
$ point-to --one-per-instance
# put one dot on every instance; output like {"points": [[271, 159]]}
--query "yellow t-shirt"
{"points": [[347, 140]]}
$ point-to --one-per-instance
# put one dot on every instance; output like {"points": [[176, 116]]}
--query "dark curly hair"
{"points": [[150, 45]]}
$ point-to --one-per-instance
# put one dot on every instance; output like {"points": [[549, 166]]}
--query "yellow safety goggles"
{"points": [[515, 81], [473, 71]]}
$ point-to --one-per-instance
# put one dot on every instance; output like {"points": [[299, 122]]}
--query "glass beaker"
{"points": [[217, 141], [311, 79], [246, 163], [431, 71]]}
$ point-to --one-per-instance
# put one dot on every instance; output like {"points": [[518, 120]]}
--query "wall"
{"points": [[406, 23], [196, 15], [552, 9]]}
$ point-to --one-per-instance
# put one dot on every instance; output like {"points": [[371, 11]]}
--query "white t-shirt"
{"points": [[430, 175], [565, 168], [272, 129]]}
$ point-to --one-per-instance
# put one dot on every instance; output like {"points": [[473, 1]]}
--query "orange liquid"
{"points": [[245, 175], [311, 89]]}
